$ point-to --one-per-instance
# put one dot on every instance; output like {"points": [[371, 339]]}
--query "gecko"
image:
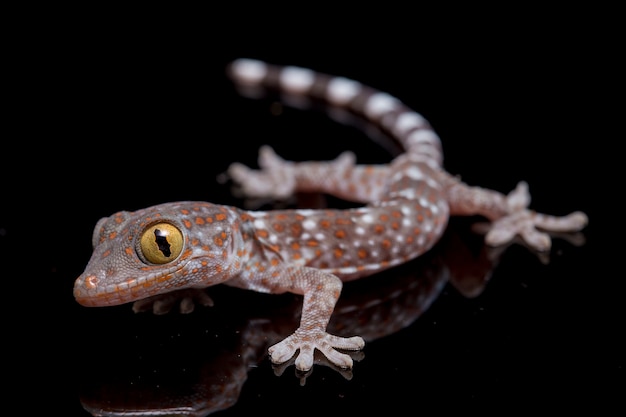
{"points": [[402, 210]]}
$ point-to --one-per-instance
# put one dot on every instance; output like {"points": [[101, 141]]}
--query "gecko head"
{"points": [[135, 255], [148, 252]]}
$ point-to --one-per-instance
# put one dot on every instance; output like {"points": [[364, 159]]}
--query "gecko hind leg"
{"points": [[278, 178], [531, 226]]}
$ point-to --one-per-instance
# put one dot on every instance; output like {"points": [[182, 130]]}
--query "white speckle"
{"points": [[305, 236], [415, 173], [273, 238], [359, 230], [400, 238], [406, 222], [407, 193], [367, 218], [341, 90], [347, 270], [397, 176], [406, 210], [259, 224], [320, 236], [309, 224], [296, 79], [379, 104], [305, 212], [249, 70], [409, 120], [423, 136], [433, 184]]}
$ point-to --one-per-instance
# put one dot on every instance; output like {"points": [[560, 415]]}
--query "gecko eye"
{"points": [[161, 243]]}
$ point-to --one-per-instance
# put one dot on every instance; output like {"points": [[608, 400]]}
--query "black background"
{"points": [[105, 119]]}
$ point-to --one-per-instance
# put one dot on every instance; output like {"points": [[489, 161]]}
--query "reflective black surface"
{"points": [[112, 125]]}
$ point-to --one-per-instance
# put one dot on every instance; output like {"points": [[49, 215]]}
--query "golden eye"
{"points": [[161, 243]]}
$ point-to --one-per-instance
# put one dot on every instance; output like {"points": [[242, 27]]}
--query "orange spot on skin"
{"points": [[409, 239], [204, 263], [220, 216], [343, 221], [386, 243], [279, 227], [420, 218], [184, 211], [195, 241], [379, 228], [281, 216], [187, 223], [395, 225], [274, 262], [218, 241], [338, 253], [275, 274], [340, 234], [396, 214], [362, 253], [113, 235], [417, 231], [262, 233], [297, 255], [296, 229], [199, 220], [325, 224], [106, 253], [295, 246], [312, 243], [128, 250], [384, 217]]}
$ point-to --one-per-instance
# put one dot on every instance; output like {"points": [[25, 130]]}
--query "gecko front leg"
{"points": [[321, 291]]}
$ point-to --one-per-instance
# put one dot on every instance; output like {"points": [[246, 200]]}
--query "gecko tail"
{"points": [[406, 126]]}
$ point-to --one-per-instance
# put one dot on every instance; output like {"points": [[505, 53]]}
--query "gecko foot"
{"points": [[307, 343], [275, 179], [526, 223]]}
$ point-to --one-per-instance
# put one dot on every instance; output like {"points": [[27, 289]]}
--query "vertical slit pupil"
{"points": [[162, 243]]}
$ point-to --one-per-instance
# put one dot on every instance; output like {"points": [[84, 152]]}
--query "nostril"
{"points": [[91, 282]]}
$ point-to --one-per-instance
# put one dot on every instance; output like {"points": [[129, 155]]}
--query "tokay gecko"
{"points": [[181, 247]]}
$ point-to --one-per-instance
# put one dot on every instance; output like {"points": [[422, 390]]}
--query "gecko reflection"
{"points": [[202, 374]]}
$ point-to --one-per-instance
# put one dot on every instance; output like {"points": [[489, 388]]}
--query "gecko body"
{"points": [[405, 208]]}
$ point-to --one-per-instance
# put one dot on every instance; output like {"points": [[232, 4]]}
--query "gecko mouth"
{"points": [[89, 293]]}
